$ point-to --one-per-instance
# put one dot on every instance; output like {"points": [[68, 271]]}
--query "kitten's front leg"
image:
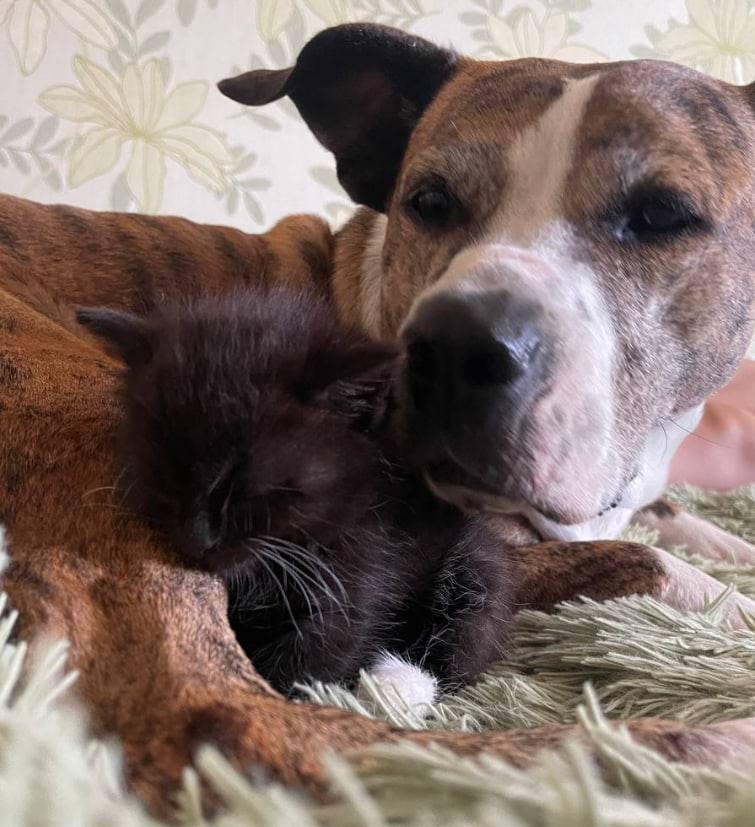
{"points": [[329, 644], [471, 610]]}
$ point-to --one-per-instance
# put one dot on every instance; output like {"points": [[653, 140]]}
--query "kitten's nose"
{"points": [[200, 536]]}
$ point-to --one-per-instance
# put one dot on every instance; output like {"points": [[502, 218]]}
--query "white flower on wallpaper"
{"points": [[277, 18], [525, 32], [137, 112], [718, 38], [186, 9], [331, 12], [28, 24], [273, 17]]}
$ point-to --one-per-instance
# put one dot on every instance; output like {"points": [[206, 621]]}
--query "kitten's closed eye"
{"points": [[207, 524]]}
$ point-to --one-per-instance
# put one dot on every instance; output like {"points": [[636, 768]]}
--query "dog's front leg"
{"points": [[160, 668], [677, 527], [548, 573]]}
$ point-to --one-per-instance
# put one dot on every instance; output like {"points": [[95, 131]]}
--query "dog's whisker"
{"points": [[703, 438], [475, 475], [665, 438]]}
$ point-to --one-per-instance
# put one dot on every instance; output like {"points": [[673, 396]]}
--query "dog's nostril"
{"points": [[459, 345], [491, 366], [423, 360]]}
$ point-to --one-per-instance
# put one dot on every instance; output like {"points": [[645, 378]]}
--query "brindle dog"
{"points": [[160, 667]]}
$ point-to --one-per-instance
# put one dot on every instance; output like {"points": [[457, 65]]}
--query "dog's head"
{"points": [[566, 251]]}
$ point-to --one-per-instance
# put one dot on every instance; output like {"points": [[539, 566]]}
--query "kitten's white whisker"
{"points": [[310, 563], [272, 574], [312, 577], [96, 490], [307, 557], [314, 560], [273, 554], [303, 577]]}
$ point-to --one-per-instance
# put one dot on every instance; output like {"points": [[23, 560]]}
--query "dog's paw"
{"points": [[399, 680]]}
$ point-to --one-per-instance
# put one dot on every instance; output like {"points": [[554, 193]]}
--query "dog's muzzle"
{"points": [[475, 361]]}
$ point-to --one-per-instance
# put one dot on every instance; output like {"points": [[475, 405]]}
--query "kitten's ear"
{"points": [[131, 338], [365, 387]]}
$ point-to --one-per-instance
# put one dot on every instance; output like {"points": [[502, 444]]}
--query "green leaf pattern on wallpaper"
{"points": [[115, 105], [29, 26], [137, 113], [718, 37], [548, 30]]}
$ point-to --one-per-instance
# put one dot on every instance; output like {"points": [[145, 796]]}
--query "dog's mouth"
{"points": [[449, 473], [503, 494]]}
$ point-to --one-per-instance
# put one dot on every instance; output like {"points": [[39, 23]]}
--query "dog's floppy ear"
{"points": [[131, 338], [361, 88], [749, 93]]}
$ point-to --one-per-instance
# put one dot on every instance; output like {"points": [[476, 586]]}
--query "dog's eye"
{"points": [[660, 215], [431, 205]]}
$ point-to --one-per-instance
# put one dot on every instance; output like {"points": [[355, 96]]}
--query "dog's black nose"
{"points": [[466, 352]]}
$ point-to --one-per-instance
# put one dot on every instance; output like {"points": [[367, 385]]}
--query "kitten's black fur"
{"points": [[255, 431]]}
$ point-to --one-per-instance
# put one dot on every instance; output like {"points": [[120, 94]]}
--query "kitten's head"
{"points": [[247, 417]]}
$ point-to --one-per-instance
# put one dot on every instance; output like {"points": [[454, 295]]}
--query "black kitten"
{"points": [[256, 434]]}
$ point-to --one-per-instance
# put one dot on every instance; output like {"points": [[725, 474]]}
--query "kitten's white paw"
{"points": [[396, 677]]}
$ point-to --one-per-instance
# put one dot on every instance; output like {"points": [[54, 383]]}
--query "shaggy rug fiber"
{"points": [[586, 663]]}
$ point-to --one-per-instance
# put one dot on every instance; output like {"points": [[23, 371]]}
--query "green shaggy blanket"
{"points": [[627, 657]]}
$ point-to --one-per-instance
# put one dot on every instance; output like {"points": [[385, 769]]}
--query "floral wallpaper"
{"points": [[111, 104]]}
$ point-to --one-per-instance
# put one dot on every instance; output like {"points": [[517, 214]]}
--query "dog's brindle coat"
{"points": [[159, 666]]}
